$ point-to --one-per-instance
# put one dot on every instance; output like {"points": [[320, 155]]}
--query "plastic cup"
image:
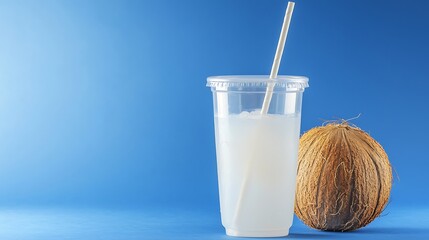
{"points": [[257, 153]]}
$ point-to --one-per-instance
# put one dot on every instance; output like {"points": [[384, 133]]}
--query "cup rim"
{"points": [[257, 79], [283, 81]]}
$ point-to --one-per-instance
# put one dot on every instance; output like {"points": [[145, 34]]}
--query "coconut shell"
{"points": [[344, 178]]}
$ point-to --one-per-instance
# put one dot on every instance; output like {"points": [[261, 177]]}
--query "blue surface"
{"points": [[103, 105], [63, 223]]}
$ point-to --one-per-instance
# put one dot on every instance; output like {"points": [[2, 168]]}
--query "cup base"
{"points": [[238, 233]]}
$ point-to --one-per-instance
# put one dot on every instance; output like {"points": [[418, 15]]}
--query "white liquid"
{"points": [[257, 164]]}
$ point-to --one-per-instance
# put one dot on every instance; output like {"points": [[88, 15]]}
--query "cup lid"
{"points": [[283, 81]]}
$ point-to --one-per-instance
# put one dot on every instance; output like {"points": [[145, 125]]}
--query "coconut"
{"points": [[344, 178]]}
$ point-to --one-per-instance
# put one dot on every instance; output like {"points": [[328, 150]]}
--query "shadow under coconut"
{"points": [[393, 230], [372, 233]]}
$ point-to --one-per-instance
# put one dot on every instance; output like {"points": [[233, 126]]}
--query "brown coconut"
{"points": [[344, 178]]}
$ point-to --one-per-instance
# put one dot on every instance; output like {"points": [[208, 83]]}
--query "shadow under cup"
{"points": [[257, 153]]}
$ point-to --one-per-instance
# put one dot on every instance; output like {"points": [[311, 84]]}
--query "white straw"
{"points": [[278, 57]]}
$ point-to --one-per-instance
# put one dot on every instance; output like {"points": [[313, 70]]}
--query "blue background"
{"points": [[103, 104]]}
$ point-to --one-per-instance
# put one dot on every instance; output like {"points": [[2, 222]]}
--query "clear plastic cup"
{"points": [[257, 153]]}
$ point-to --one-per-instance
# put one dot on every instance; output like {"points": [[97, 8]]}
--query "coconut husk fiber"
{"points": [[344, 178]]}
